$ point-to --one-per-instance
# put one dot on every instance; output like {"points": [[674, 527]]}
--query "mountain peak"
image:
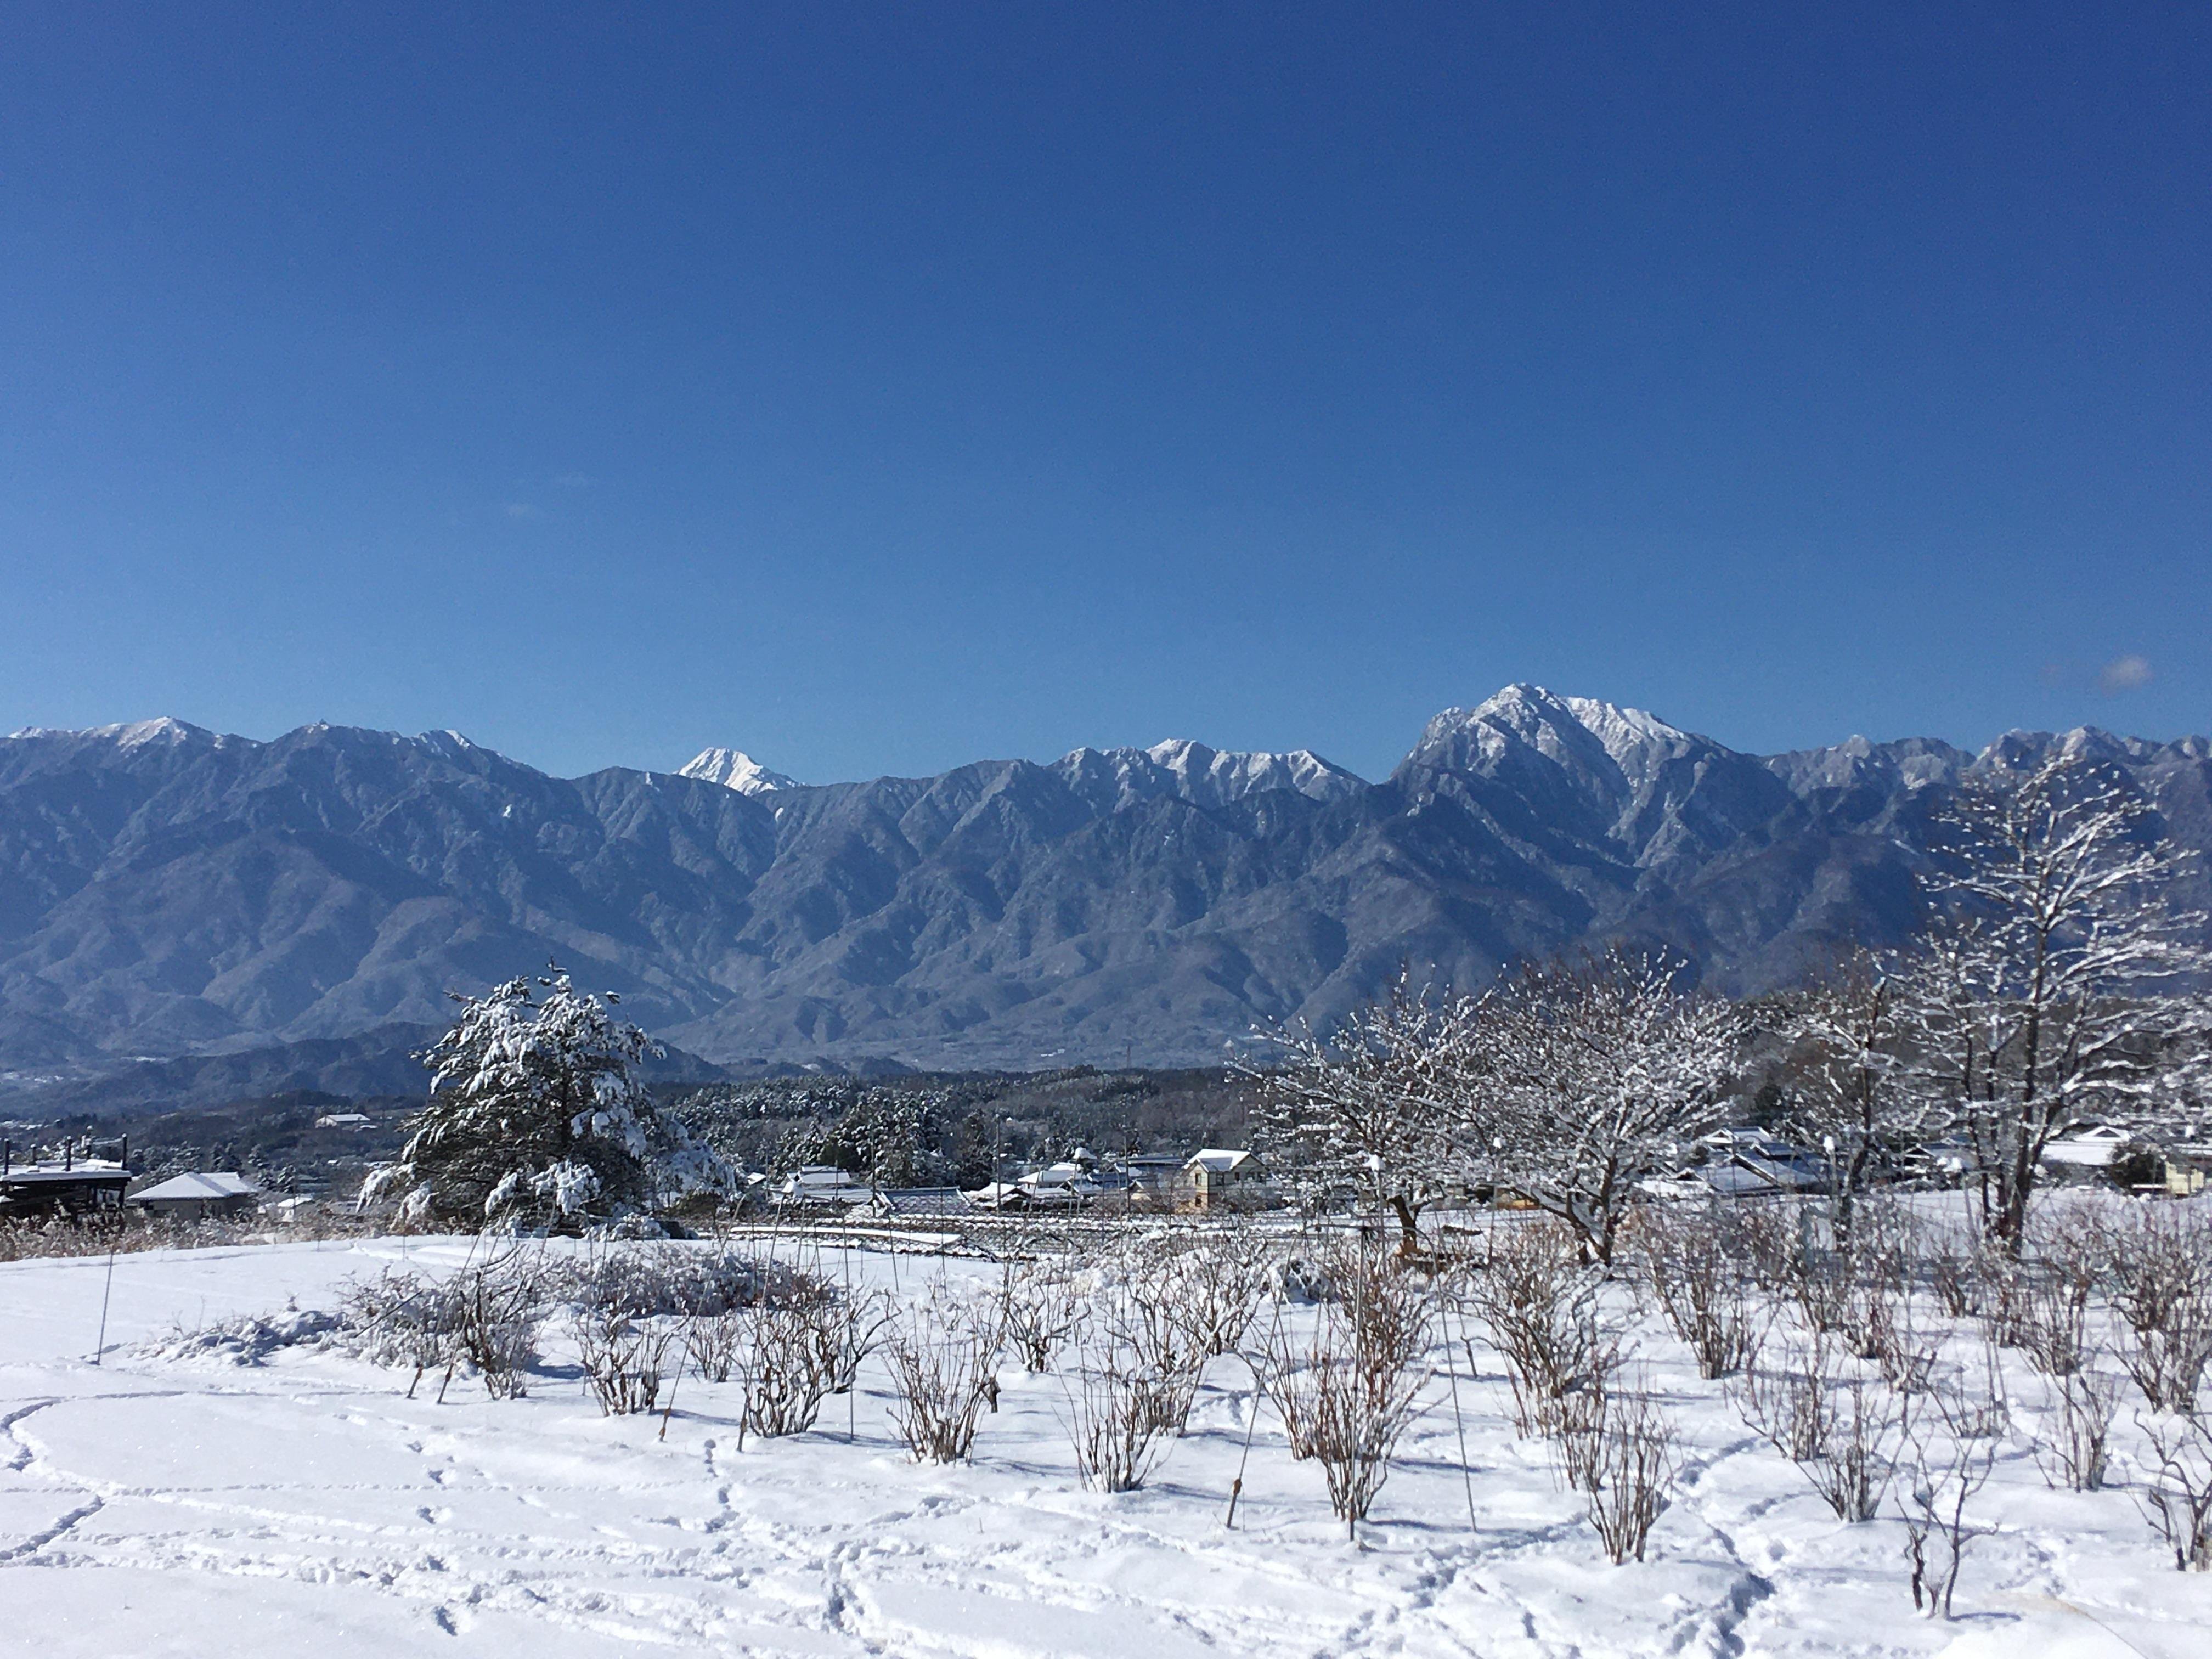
{"points": [[1571, 731], [164, 729], [733, 768]]}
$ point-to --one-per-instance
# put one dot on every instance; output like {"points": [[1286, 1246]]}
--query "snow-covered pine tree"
{"points": [[536, 1122]]}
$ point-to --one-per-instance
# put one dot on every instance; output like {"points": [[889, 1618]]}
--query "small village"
{"points": [[91, 1181]]}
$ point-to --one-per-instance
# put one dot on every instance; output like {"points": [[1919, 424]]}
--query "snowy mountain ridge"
{"points": [[1191, 771], [167, 892], [733, 768]]}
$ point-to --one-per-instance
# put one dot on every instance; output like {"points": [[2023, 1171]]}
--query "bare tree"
{"points": [[1599, 1076], [1853, 1098], [1379, 1106], [2061, 981]]}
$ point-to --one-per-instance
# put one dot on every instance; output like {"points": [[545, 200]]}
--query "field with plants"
{"points": [[1741, 1440]]}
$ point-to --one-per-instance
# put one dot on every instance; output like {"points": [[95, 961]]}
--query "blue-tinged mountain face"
{"points": [[165, 891]]}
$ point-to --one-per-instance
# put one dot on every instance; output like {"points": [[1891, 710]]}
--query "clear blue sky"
{"points": [[876, 388]]}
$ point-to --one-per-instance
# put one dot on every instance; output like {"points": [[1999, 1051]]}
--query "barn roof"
{"points": [[201, 1184]]}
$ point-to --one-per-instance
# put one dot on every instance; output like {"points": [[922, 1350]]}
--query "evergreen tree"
{"points": [[536, 1121]]}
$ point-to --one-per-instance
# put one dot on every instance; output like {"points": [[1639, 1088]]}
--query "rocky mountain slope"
{"points": [[166, 890]]}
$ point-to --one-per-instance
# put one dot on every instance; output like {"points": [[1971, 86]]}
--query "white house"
{"points": [[355, 1121], [1066, 1183], [1226, 1175], [822, 1187], [199, 1195], [2086, 1148]]}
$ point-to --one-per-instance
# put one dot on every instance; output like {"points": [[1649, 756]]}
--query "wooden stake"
{"points": [[114, 1242]]}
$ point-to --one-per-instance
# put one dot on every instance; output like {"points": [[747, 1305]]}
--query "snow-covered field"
{"points": [[155, 1505]]}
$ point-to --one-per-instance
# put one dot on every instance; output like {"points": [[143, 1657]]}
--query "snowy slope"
{"points": [[159, 1505], [1188, 770], [733, 768]]}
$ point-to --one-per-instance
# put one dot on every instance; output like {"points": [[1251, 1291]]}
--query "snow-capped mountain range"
{"points": [[168, 890]]}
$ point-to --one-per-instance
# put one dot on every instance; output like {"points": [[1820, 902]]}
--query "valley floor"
{"points": [[159, 1505]]}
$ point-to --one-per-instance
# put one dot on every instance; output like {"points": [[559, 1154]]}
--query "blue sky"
{"points": [[878, 388]]}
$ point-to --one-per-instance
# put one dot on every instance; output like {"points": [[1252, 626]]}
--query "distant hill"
{"points": [[166, 891]]}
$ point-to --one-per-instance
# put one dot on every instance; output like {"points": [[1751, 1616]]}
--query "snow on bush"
{"points": [[246, 1339]]}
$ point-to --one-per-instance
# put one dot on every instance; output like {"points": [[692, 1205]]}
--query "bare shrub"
{"points": [[1217, 1285], [1284, 1366], [1951, 1447], [1579, 1422], [2001, 1288], [1540, 1304], [1041, 1308], [1167, 1356], [1695, 1279], [623, 1358], [1788, 1405], [1358, 1384], [1906, 1356], [2158, 1262], [2053, 1323], [1768, 1237], [1946, 1256], [2052, 1316], [944, 1364], [1858, 1453], [714, 1343], [2167, 1361], [1113, 1419], [1843, 1432], [398, 1318], [2177, 1498], [485, 1318], [2075, 1451], [646, 1280], [1632, 1477], [792, 1355], [496, 1330], [1876, 1277]]}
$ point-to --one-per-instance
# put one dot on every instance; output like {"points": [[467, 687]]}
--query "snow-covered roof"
{"points": [[82, 1171], [1217, 1160], [201, 1184], [1059, 1175], [923, 1201]]}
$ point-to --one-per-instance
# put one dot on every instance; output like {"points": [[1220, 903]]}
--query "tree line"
{"points": [[2056, 981]]}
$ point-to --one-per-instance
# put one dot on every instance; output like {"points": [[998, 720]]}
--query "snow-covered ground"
{"points": [[155, 1505]]}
